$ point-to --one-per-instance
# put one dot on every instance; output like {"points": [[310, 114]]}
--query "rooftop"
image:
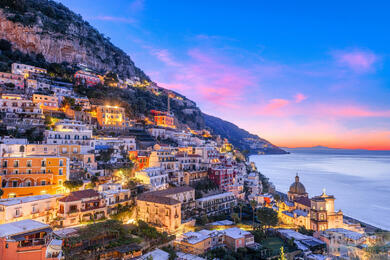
{"points": [[150, 197], [217, 196], [19, 200], [20, 227], [79, 195]]}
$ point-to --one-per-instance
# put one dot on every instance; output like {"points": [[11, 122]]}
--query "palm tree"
{"points": [[235, 217], [240, 205], [253, 204]]}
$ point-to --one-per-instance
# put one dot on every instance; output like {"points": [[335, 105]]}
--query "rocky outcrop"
{"points": [[72, 47]]}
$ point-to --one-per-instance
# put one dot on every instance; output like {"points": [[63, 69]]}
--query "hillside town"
{"points": [[87, 180]]}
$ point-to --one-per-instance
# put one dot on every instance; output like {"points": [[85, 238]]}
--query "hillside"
{"points": [[240, 137], [47, 34]]}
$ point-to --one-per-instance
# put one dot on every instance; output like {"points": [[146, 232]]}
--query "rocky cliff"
{"points": [[49, 28]]}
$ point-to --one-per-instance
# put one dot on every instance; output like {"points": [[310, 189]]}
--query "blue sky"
{"points": [[299, 73]]}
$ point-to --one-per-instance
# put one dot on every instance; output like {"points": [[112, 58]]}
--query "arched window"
{"points": [[21, 148]]}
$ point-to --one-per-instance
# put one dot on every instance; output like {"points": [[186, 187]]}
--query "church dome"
{"points": [[297, 187]]}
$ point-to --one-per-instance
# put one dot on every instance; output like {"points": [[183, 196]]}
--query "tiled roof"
{"points": [[150, 197], [172, 191], [79, 195], [303, 201]]}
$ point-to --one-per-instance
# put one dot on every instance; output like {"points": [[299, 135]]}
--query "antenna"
{"points": [[169, 105]]}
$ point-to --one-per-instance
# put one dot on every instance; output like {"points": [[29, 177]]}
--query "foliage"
{"points": [[122, 213], [171, 251], [148, 232], [204, 186], [227, 254], [303, 230], [267, 217], [73, 184]]}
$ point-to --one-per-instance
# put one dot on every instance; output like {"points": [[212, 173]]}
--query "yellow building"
{"points": [[33, 175], [323, 215], [164, 213], [111, 117]]}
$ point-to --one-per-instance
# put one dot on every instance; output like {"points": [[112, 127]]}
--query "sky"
{"points": [[298, 73]]}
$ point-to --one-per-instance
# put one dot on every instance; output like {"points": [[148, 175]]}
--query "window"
{"points": [[43, 163], [61, 163], [5, 164], [60, 172], [16, 163], [14, 183], [29, 163], [43, 183]]}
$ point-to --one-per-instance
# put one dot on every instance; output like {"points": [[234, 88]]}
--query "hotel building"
{"points": [[33, 175]]}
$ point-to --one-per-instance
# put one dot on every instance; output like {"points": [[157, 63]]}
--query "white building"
{"points": [[40, 208], [71, 132], [217, 204], [155, 177]]}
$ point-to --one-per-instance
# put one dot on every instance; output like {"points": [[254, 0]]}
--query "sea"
{"points": [[359, 179]]}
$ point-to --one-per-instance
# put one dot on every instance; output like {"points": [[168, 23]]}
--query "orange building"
{"points": [[141, 160], [33, 175], [164, 119], [28, 240], [46, 102]]}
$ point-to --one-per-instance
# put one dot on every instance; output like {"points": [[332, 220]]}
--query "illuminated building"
{"points": [[15, 79], [79, 206], [33, 175], [28, 240], [71, 132], [115, 195], [20, 112], [111, 117], [46, 102], [164, 213], [323, 215], [297, 190], [200, 242], [154, 177], [25, 70], [163, 119], [223, 176], [40, 208], [222, 203], [86, 78]]}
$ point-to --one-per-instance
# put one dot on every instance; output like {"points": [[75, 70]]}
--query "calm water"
{"points": [[360, 180]]}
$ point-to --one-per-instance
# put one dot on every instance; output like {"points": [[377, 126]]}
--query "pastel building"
{"points": [[17, 80], [163, 119], [33, 175], [71, 132], [164, 213], [41, 208], [86, 78], [28, 240], [25, 70], [323, 215], [155, 177], [222, 203], [46, 102], [111, 117], [79, 206], [21, 112]]}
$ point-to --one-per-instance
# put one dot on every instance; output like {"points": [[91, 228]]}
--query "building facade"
{"points": [[33, 175]]}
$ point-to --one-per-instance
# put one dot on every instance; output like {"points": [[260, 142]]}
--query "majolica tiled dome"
{"points": [[297, 187]]}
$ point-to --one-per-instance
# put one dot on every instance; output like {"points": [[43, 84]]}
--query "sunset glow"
{"points": [[309, 84]]}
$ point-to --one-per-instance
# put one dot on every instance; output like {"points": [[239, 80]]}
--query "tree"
{"points": [[282, 256], [235, 217], [73, 184], [240, 205], [253, 204], [267, 217]]}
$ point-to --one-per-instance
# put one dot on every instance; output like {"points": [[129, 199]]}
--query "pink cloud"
{"points": [[350, 111], [359, 61], [298, 98], [207, 76]]}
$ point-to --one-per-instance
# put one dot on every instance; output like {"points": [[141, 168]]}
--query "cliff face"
{"points": [[80, 43]]}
